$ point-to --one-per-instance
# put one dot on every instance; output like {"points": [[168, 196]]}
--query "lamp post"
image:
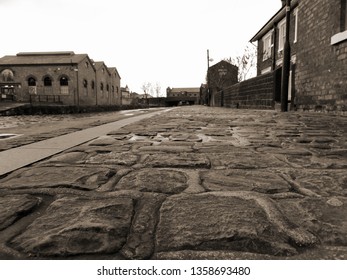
{"points": [[286, 63], [208, 91]]}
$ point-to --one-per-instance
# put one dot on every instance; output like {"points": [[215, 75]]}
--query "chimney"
{"points": [[283, 3]]}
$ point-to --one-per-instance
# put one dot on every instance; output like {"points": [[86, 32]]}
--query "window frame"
{"points": [[342, 34], [281, 34], [295, 13], [267, 45]]}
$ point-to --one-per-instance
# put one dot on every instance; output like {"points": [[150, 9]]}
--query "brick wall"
{"points": [[255, 93], [321, 70]]}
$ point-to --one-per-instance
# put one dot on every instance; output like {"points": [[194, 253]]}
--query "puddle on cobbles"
{"points": [[5, 136]]}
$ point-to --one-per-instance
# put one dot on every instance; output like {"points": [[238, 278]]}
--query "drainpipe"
{"points": [[286, 63], [274, 47]]}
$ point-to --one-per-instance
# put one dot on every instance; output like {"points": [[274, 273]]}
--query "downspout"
{"points": [[274, 47]]}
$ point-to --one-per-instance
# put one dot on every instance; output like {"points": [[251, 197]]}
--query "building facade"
{"points": [[220, 76], [57, 77], [318, 41], [182, 96]]}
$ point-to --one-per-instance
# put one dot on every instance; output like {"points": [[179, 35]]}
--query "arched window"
{"points": [[64, 85], [64, 81], [93, 84], [47, 82], [107, 88], [101, 86], [31, 82], [85, 83]]}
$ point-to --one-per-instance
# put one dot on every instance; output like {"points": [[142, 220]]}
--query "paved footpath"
{"points": [[191, 183]]}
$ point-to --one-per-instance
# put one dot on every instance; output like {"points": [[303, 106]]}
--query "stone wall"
{"points": [[255, 93]]}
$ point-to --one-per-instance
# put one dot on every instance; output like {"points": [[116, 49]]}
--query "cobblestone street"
{"points": [[191, 183]]}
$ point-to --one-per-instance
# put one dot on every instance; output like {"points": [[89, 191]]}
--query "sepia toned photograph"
{"points": [[173, 130]]}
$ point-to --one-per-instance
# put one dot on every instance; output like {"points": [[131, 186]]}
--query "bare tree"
{"points": [[246, 63], [146, 87], [157, 89]]}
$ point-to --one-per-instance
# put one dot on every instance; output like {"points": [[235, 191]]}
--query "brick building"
{"points": [[220, 76], [318, 39], [182, 96], [58, 77]]}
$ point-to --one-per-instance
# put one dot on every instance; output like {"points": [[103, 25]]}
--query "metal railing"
{"points": [[45, 98]]}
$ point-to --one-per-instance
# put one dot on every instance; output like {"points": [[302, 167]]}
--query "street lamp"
{"points": [[286, 63], [208, 91]]}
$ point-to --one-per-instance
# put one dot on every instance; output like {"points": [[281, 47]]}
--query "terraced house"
{"points": [[58, 77], [318, 40]]}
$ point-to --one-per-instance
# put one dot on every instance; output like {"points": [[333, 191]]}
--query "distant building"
{"points": [[318, 40], [220, 76], [127, 97], [182, 96], [58, 77]]}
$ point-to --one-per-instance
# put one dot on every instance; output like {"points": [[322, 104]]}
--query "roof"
{"points": [[274, 20], [185, 89], [99, 64], [114, 69], [35, 58], [221, 63]]}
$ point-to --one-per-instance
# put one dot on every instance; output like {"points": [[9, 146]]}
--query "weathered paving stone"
{"points": [[165, 149], [113, 158], [103, 141], [231, 221], [326, 218], [182, 160], [245, 160], [323, 182], [187, 137], [58, 176], [73, 225], [154, 180], [67, 158], [13, 207], [247, 180], [140, 242]]}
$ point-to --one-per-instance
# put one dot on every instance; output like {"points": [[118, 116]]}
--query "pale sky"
{"points": [[156, 41]]}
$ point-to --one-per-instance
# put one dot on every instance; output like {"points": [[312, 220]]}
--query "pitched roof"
{"points": [[274, 20], [34, 58], [114, 69]]}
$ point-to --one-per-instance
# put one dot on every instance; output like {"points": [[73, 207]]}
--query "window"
{"points": [[31, 82], [47, 82], [64, 81], [64, 85], [281, 34], [267, 45], [295, 14], [85, 87], [93, 84], [342, 30]]}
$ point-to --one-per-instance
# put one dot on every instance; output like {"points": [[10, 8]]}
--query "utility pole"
{"points": [[286, 63], [208, 78]]}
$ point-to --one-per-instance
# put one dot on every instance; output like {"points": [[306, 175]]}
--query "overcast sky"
{"points": [[156, 41]]}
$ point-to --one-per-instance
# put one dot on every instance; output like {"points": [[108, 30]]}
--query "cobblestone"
{"points": [[191, 183]]}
